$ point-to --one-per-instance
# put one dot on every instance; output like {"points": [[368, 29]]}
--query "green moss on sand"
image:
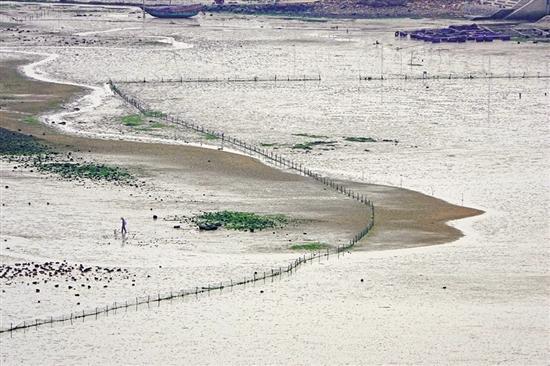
{"points": [[236, 220], [359, 139], [87, 170], [309, 246], [17, 144], [132, 120]]}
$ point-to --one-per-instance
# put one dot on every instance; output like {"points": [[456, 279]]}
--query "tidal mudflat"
{"points": [[480, 296]]}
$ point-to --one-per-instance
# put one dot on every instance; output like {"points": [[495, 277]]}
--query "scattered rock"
{"points": [[207, 227]]}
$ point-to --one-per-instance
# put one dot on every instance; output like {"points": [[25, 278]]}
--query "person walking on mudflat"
{"points": [[123, 229]]}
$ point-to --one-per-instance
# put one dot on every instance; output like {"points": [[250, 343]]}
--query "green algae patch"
{"points": [[210, 136], [309, 246], [154, 114], [157, 125], [18, 144], [136, 120], [31, 120], [360, 139], [87, 170], [236, 220], [310, 144], [152, 126], [132, 120]]}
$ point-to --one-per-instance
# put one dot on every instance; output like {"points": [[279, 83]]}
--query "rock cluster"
{"points": [[49, 271]]}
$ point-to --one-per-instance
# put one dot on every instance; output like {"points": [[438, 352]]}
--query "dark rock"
{"points": [[207, 227]]}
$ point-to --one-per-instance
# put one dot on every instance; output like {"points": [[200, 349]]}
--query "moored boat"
{"points": [[176, 11]]}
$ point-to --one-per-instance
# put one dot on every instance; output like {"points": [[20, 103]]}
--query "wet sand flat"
{"points": [[179, 180], [404, 217], [481, 299]]}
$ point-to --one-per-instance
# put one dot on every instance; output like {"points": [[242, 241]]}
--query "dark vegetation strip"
{"points": [[29, 151]]}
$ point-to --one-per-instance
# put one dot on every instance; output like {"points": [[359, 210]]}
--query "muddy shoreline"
{"points": [[395, 226]]}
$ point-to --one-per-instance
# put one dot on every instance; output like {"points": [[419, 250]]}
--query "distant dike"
{"points": [[524, 10]]}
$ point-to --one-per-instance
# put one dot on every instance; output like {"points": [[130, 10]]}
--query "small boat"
{"points": [[176, 11]]}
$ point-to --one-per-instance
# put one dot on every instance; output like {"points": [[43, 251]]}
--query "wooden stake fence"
{"points": [[181, 79], [426, 76], [413, 77], [290, 269]]}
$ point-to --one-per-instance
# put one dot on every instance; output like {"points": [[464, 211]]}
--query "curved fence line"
{"points": [[149, 300], [271, 274], [251, 149]]}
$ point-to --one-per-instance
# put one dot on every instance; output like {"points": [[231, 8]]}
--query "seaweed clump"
{"points": [[30, 152], [71, 170], [18, 144], [309, 246], [236, 220]]}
